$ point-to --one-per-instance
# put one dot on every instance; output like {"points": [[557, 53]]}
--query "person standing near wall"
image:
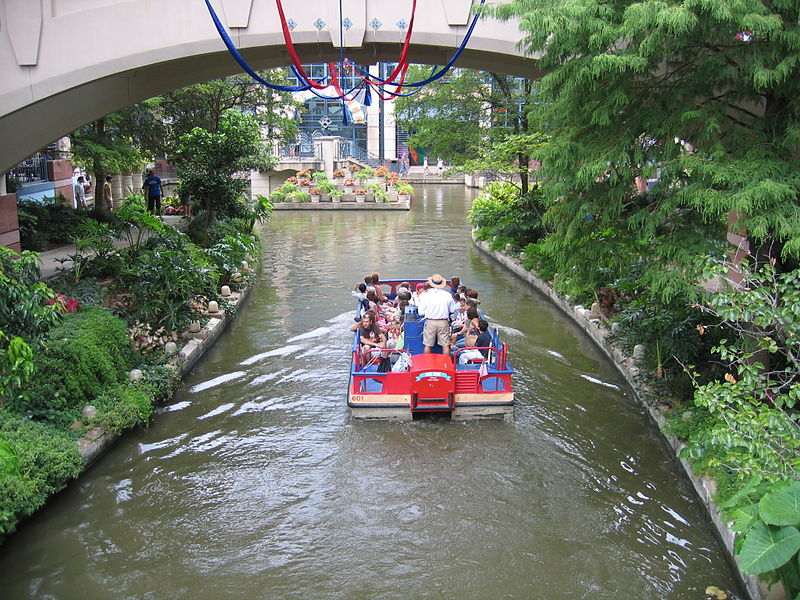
{"points": [[153, 190], [108, 199]]}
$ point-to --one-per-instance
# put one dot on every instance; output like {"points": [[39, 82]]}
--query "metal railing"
{"points": [[299, 150], [349, 149], [30, 170]]}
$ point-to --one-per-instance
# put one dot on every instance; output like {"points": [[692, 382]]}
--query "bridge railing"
{"points": [[299, 150]]}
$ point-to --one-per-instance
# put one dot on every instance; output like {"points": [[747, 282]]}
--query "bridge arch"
{"points": [[67, 62]]}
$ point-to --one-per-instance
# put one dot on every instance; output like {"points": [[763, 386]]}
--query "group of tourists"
{"points": [[452, 318]]}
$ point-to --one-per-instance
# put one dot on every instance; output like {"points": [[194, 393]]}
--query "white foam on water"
{"points": [[283, 351], [176, 406], [217, 381], [256, 406], [343, 318], [507, 329], [268, 377], [315, 333], [554, 353], [217, 411], [599, 382], [144, 448]]}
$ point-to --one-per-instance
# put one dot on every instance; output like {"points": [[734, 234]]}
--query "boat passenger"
{"points": [[415, 296], [360, 291], [469, 331], [370, 336], [484, 338], [436, 305], [472, 294], [455, 281]]}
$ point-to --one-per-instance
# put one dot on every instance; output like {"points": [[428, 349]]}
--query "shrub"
{"points": [[23, 309], [86, 353], [123, 406], [36, 460]]}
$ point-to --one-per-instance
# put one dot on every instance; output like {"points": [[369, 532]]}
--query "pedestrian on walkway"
{"points": [[153, 191], [80, 194]]}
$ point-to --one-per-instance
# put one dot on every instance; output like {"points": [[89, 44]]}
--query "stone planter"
{"points": [[336, 199], [348, 189], [315, 198], [360, 198], [305, 188], [391, 189], [370, 198]]}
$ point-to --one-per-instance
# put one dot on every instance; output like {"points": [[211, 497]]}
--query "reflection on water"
{"points": [[254, 483]]}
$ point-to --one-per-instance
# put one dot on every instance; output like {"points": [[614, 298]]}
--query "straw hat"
{"points": [[437, 281]]}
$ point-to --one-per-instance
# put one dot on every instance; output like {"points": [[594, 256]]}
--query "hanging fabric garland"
{"points": [[368, 81]]}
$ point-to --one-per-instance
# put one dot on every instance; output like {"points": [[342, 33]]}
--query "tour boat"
{"points": [[423, 384]]}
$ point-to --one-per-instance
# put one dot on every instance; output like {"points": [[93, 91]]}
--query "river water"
{"points": [[254, 483]]}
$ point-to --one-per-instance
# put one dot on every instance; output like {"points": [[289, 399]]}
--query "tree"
{"points": [[448, 117], [208, 163], [669, 92], [203, 104]]}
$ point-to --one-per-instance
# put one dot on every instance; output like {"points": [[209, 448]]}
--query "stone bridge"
{"points": [[64, 63]]}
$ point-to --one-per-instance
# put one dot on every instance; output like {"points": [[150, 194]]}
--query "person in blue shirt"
{"points": [[153, 190]]}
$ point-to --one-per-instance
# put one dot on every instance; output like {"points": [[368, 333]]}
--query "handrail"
{"points": [[357, 359]]}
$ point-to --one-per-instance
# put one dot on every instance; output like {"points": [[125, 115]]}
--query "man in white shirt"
{"points": [[436, 305]]}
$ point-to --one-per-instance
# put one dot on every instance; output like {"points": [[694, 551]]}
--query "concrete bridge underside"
{"points": [[64, 63]]}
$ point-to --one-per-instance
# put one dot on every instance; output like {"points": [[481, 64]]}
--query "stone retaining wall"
{"points": [[704, 486]]}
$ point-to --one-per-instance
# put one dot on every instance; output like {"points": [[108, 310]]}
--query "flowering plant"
{"points": [[292, 179], [354, 168], [392, 178], [305, 182], [65, 304], [381, 171], [315, 191], [338, 173], [361, 192], [304, 173], [349, 182]]}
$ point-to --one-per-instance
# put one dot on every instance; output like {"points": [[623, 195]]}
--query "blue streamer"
{"points": [[242, 63]]}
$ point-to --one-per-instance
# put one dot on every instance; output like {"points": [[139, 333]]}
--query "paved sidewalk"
{"points": [[50, 265]]}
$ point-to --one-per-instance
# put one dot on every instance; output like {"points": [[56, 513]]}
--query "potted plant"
{"points": [[349, 184], [361, 195], [336, 195], [367, 173], [315, 194], [305, 184], [304, 173], [339, 175], [382, 172], [319, 177], [292, 180], [404, 191], [354, 168], [392, 179]]}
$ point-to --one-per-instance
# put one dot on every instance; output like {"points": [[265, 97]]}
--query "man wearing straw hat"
{"points": [[436, 305]]}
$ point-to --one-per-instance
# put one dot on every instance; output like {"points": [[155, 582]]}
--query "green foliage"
{"points": [[23, 308], [79, 359], [446, 117], [766, 517], [160, 283], [51, 220], [207, 162], [652, 90], [123, 406], [36, 460]]}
